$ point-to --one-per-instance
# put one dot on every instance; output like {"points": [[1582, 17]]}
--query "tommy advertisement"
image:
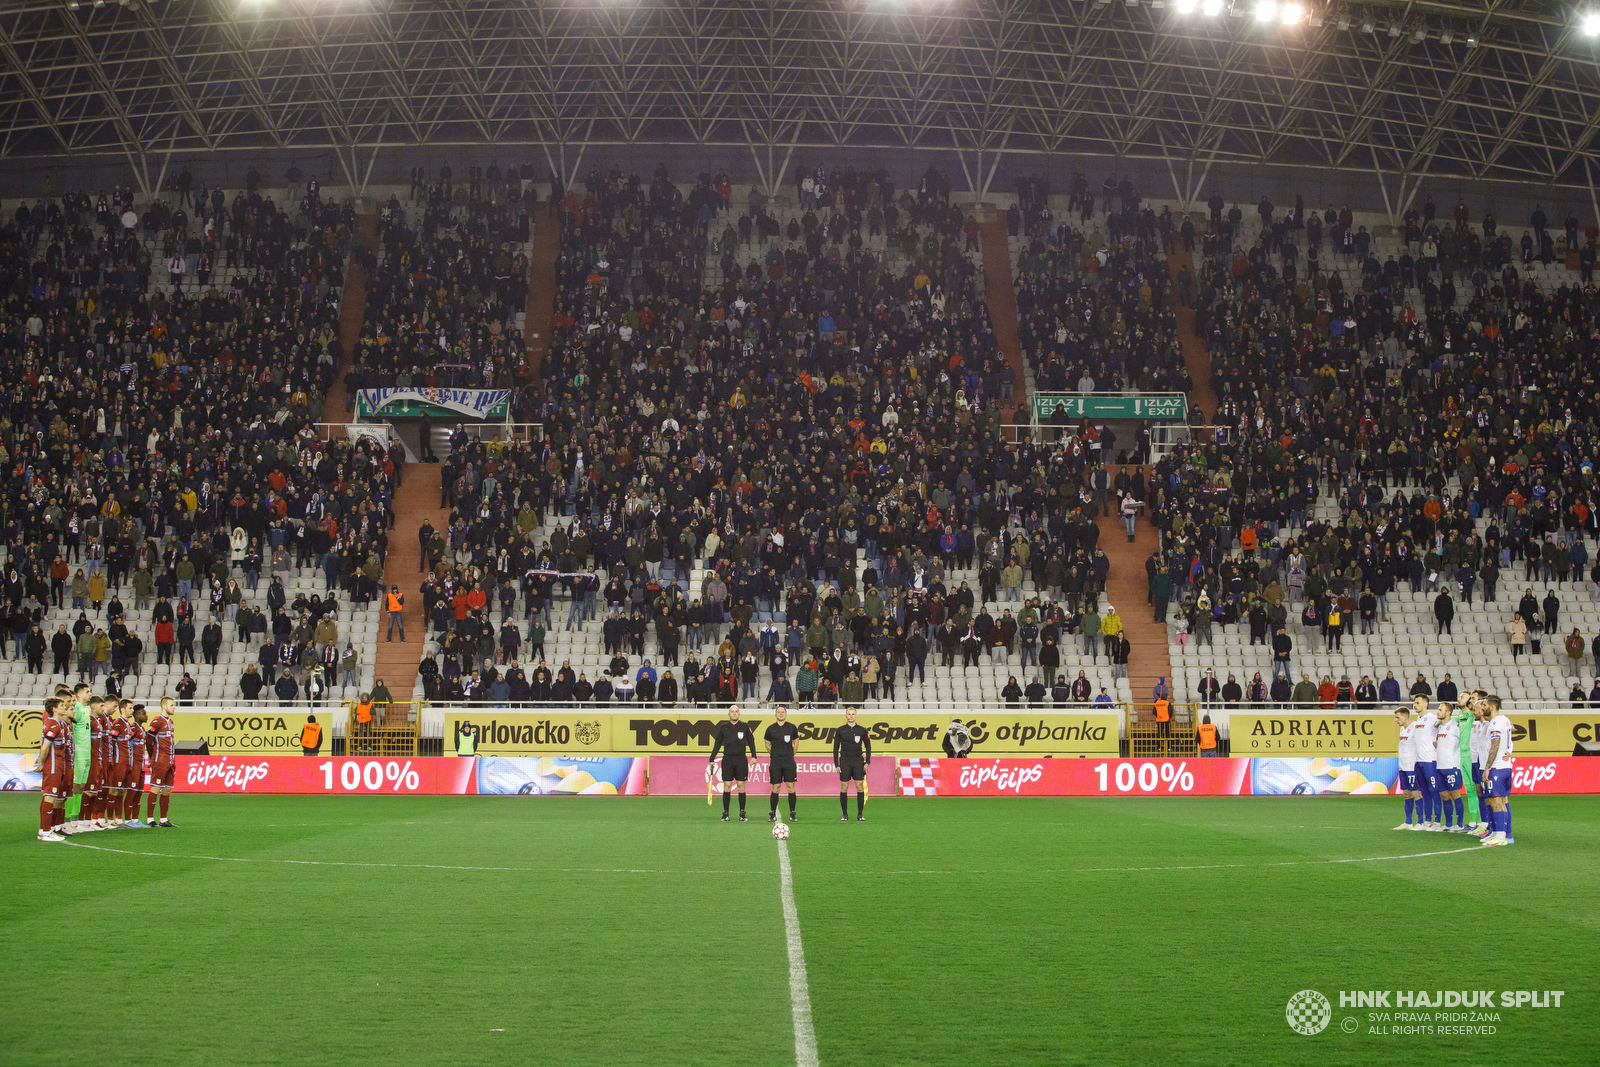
{"points": [[510, 733], [688, 776], [569, 776]]}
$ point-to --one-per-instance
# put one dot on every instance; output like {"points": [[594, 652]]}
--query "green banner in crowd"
{"points": [[1112, 405]]}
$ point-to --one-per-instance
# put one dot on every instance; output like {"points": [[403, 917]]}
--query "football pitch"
{"points": [[396, 931]]}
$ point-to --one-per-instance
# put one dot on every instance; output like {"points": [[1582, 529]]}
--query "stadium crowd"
{"points": [[442, 299], [158, 439], [1458, 444], [821, 399]]}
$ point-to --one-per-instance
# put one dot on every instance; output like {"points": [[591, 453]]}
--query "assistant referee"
{"points": [[732, 739], [852, 754], [780, 737]]}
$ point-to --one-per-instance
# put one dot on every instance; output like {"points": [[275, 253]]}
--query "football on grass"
{"points": [[781, 831]]}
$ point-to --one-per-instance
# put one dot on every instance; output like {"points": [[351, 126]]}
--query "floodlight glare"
{"points": [[1266, 10], [1184, 7], [1292, 13], [1212, 7], [1591, 25]]}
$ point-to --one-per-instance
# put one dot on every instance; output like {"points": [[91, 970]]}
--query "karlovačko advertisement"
{"points": [[658, 730], [1238, 776], [675, 776]]}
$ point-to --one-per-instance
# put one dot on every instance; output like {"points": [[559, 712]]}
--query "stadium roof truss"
{"points": [[1507, 89]]}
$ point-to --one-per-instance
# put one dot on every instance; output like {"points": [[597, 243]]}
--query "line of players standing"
{"points": [[1430, 767], [94, 752]]}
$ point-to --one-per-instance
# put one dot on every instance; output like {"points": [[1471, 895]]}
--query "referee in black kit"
{"points": [[780, 737], [852, 752], [733, 738]]}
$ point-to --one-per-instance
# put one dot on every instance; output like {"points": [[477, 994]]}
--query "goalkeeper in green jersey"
{"points": [[79, 719]]}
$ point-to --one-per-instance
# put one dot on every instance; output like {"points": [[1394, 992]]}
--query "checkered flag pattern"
{"points": [[919, 777]]}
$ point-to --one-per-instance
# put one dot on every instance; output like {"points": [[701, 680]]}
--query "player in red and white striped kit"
{"points": [[133, 784], [55, 766], [117, 769], [158, 739]]}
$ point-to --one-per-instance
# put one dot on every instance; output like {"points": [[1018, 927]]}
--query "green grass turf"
{"points": [[645, 932]]}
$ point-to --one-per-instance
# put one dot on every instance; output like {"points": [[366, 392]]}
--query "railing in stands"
{"points": [[386, 734]]}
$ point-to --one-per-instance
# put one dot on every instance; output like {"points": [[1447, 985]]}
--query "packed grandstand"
{"points": [[772, 446]]}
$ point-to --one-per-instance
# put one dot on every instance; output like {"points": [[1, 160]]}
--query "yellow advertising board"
{"points": [[519, 733], [20, 729], [1554, 734], [245, 732], [1317, 733], [248, 732], [1003, 732]]}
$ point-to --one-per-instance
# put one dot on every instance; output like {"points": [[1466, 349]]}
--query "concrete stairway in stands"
{"points": [[417, 499], [1126, 583], [418, 496]]}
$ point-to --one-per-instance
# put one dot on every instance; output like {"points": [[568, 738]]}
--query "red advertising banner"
{"points": [[1201, 777], [1555, 774], [421, 776], [688, 776], [1071, 777]]}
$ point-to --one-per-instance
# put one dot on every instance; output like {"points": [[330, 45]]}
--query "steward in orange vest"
{"points": [[310, 736]]}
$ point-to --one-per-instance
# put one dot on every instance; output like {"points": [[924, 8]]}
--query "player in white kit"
{"points": [[1497, 774], [1448, 760], [1408, 771], [1424, 729]]}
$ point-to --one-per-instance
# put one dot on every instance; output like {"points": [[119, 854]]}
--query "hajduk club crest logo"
{"points": [[1309, 1012]]}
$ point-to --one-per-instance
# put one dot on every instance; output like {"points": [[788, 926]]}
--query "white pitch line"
{"points": [[406, 866], [783, 857], [1184, 867], [805, 1036]]}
